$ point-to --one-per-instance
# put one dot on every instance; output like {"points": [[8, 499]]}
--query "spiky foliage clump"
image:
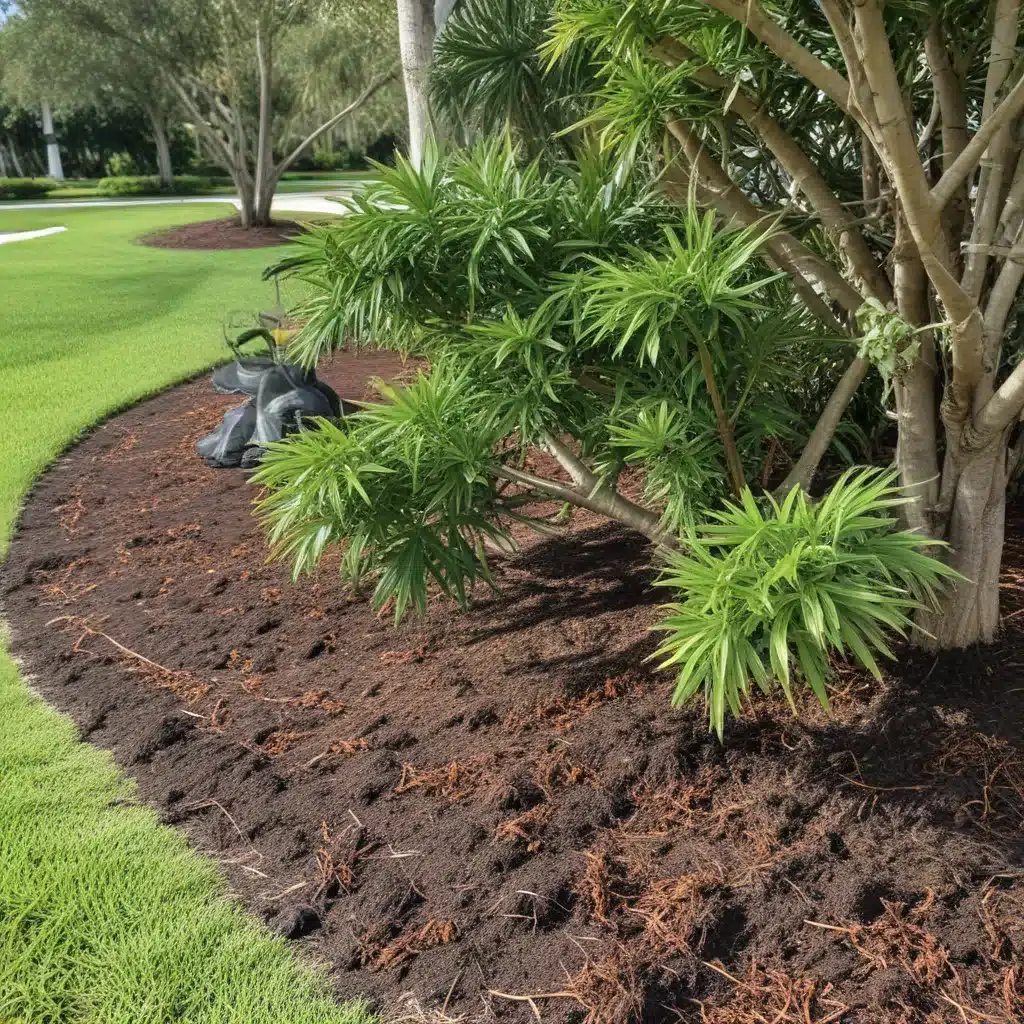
{"points": [[567, 310], [767, 595]]}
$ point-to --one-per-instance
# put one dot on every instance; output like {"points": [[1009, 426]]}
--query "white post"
{"points": [[53, 164]]}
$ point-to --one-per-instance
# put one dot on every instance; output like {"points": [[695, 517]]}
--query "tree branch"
{"points": [[833, 215], [916, 444], [919, 207], [1004, 406], [582, 477], [824, 430], [787, 49], [950, 94], [376, 84], [991, 189], [860, 90], [967, 162], [605, 502], [730, 201]]}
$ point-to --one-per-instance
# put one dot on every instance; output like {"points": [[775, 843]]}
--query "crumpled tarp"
{"points": [[281, 396]]}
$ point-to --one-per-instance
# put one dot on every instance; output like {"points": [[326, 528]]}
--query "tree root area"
{"points": [[224, 233], [497, 814]]}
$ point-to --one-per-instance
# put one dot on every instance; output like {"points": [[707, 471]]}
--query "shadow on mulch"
{"points": [[502, 803], [225, 233]]}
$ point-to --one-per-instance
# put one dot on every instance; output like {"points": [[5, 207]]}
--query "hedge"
{"points": [[149, 185], [25, 188]]}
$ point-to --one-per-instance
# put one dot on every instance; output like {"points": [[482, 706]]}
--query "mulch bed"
{"points": [[226, 233], [498, 812]]}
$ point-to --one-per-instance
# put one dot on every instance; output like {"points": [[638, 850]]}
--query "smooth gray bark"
{"points": [[416, 41], [53, 164]]}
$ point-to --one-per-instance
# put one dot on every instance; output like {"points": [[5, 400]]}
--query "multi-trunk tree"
{"points": [[882, 143], [786, 199]]}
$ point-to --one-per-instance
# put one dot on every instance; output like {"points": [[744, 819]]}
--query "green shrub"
{"points": [[191, 184], [764, 593], [25, 188], [129, 185], [339, 160], [122, 165], [149, 185]]}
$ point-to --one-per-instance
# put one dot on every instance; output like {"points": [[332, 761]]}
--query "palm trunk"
{"points": [[53, 164], [163, 149], [416, 41]]}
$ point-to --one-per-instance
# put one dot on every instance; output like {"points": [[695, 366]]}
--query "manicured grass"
{"points": [[300, 181], [105, 916]]}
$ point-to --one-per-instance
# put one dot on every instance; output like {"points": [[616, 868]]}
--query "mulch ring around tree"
{"points": [[498, 813], [225, 233]]}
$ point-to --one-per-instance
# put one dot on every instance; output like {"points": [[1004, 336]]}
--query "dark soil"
{"points": [[502, 804], [226, 233]]}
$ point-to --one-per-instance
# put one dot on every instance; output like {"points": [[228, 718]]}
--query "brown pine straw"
{"points": [[454, 780], [405, 947], [181, 682], [783, 1000]]}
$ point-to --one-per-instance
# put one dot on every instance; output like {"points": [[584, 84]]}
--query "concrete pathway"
{"points": [[20, 236], [284, 202]]}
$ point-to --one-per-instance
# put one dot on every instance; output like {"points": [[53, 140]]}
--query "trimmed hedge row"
{"points": [[147, 185], [25, 188]]}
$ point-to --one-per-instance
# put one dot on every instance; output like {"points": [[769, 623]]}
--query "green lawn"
{"points": [[105, 916], [297, 181]]}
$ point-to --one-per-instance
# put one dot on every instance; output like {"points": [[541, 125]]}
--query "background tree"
{"points": [[222, 61], [488, 75], [52, 57]]}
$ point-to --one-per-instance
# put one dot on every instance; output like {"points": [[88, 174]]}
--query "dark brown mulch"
{"points": [[226, 233], [502, 803]]}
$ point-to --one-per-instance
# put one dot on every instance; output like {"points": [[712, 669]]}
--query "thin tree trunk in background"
{"points": [[12, 149], [163, 149], [246, 199], [264, 199], [3, 164], [266, 177], [53, 164], [416, 41]]}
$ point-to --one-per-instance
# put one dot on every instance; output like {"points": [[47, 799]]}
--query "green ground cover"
{"points": [[106, 917]]}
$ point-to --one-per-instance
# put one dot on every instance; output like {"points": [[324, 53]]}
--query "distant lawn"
{"points": [[293, 181], [105, 916]]}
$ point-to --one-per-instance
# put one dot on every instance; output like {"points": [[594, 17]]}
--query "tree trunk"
{"points": [[246, 201], [263, 200], [969, 612], [53, 164], [266, 179], [416, 40], [163, 149], [12, 149]]}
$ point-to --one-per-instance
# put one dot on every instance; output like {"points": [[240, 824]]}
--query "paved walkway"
{"points": [[294, 202], [19, 236]]}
